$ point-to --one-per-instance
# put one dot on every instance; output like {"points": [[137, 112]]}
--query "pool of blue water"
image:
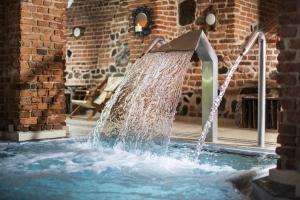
{"points": [[72, 169]]}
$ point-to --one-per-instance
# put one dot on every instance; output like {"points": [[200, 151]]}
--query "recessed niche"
{"points": [[69, 53], [187, 10]]}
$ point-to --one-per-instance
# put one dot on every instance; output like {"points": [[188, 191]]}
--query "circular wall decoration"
{"points": [[210, 19], [142, 21], [78, 32]]}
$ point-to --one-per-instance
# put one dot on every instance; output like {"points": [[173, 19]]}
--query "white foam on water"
{"points": [[145, 163], [215, 168], [81, 157]]}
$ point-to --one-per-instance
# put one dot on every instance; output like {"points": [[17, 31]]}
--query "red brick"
{"points": [[36, 113], [288, 104], [36, 100], [295, 44], [43, 23], [42, 106], [42, 10], [289, 152], [287, 32], [287, 79], [286, 140], [27, 93], [55, 119], [42, 92], [47, 85], [28, 121], [37, 2], [56, 11], [28, 107], [24, 114]]}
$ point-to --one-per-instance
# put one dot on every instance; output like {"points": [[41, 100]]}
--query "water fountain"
{"points": [[141, 113], [143, 109], [210, 101], [197, 42]]}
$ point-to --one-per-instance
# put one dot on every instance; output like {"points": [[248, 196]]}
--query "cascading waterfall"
{"points": [[141, 112]]}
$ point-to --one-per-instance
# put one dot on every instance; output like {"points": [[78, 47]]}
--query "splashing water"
{"points": [[140, 114], [216, 103]]}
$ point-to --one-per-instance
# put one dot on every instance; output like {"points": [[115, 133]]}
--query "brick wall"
{"points": [[108, 44], [289, 80], [165, 19], [9, 63], [224, 42], [42, 105], [233, 27], [105, 35], [32, 67], [109, 32]]}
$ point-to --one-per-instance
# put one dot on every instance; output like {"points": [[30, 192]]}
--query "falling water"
{"points": [[216, 103], [142, 110]]}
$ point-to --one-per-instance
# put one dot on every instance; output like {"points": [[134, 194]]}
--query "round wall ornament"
{"points": [[142, 21]]}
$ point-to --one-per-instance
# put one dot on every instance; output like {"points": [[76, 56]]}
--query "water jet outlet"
{"points": [[197, 42]]}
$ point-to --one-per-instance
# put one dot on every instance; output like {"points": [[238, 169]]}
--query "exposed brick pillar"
{"points": [[9, 62], [288, 167], [39, 89], [288, 78]]}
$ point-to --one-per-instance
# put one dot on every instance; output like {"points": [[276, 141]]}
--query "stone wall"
{"points": [[289, 81], [32, 67], [109, 36], [233, 28], [105, 29], [108, 44]]}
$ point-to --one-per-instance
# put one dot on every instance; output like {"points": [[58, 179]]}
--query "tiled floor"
{"points": [[190, 129]]}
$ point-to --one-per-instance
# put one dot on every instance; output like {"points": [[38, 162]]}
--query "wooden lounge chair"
{"points": [[96, 98]]}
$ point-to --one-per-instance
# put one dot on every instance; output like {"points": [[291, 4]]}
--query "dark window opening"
{"points": [[187, 10]]}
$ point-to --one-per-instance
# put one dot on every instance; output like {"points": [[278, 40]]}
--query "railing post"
{"points": [[262, 91], [209, 84], [261, 127]]}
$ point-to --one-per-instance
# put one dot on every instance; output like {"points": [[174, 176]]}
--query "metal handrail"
{"points": [[260, 36]]}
